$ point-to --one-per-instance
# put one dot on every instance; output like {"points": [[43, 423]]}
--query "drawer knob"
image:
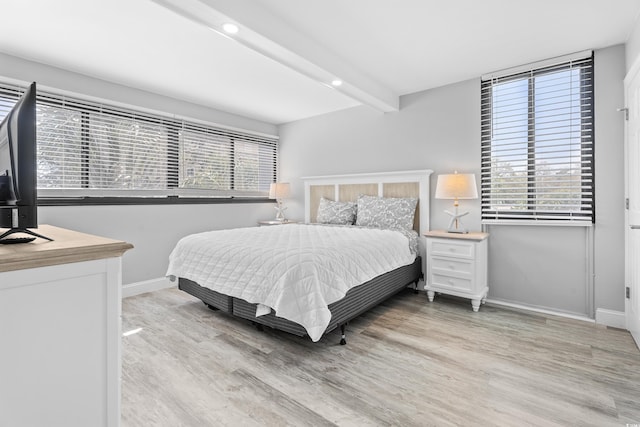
{"points": [[452, 267]]}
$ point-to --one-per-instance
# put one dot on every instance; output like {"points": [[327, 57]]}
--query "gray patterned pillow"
{"points": [[386, 212], [330, 212]]}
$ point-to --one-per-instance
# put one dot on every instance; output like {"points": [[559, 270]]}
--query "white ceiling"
{"points": [[277, 67]]}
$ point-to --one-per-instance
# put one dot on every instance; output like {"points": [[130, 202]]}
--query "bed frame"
{"points": [[363, 297]]}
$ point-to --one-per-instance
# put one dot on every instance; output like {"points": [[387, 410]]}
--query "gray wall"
{"points": [[633, 45], [609, 155], [26, 71], [153, 230], [439, 129]]}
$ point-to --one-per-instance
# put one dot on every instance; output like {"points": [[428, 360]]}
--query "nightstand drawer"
{"points": [[442, 280], [452, 248], [452, 265]]}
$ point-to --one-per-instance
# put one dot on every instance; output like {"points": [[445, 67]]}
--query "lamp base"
{"points": [[458, 231], [455, 224], [280, 211]]}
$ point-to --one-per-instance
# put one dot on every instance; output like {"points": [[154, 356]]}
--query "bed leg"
{"points": [[343, 340], [415, 287], [258, 326], [211, 307]]}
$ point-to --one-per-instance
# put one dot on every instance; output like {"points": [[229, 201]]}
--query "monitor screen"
{"points": [[8, 190], [18, 151]]}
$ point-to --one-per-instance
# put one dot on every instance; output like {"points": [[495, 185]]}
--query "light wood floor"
{"points": [[407, 362]]}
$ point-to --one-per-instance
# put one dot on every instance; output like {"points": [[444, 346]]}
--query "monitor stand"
{"points": [[4, 240]]}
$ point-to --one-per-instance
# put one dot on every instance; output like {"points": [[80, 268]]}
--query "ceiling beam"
{"points": [[262, 32]]}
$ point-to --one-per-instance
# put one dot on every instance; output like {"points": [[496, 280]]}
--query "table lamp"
{"points": [[456, 186], [279, 191]]}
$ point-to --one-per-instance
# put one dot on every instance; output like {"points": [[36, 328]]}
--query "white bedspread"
{"points": [[295, 269]]}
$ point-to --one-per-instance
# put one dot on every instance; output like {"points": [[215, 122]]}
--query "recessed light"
{"points": [[230, 28], [336, 83]]}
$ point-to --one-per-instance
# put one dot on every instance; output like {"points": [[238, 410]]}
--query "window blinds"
{"points": [[537, 144], [94, 149]]}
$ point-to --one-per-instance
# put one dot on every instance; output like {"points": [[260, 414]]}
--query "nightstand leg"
{"points": [[430, 295], [475, 304]]}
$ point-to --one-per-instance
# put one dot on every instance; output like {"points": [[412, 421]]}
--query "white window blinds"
{"points": [[94, 149], [537, 145]]}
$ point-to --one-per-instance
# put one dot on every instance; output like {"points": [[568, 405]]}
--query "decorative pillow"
{"points": [[330, 212], [386, 212]]}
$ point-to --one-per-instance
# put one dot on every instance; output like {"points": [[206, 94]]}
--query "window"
{"points": [[537, 144], [90, 149]]}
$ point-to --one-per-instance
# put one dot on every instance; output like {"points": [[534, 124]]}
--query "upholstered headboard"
{"points": [[414, 183]]}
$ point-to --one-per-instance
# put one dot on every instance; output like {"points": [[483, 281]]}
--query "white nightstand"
{"points": [[276, 222], [457, 265]]}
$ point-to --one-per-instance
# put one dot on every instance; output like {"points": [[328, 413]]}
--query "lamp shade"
{"points": [[279, 190], [456, 186]]}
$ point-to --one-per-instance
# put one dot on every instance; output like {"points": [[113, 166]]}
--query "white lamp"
{"points": [[456, 186], [279, 191]]}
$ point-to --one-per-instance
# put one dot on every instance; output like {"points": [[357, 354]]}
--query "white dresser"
{"points": [[60, 330], [457, 265]]}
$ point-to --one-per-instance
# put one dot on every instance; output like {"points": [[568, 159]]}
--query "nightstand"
{"points": [[276, 222], [457, 265]]}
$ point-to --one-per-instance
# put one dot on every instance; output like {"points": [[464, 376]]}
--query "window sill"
{"points": [[172, 200], [541, 223]]}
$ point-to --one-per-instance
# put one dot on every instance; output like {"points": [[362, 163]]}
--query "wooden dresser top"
{"points": [[67, 246]]}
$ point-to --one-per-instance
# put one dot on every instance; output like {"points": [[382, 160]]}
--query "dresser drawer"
{"points": [[452, 265], [452, 248], [458, 283]]}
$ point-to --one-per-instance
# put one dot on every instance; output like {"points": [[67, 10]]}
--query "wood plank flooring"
{"points": [[408, 362]]}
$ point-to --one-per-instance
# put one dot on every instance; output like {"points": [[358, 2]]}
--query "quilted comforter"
{"points": [[295, 269]]}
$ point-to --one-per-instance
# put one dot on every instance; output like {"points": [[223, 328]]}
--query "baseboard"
{"points": [[615, 319], [541, 310], [636, 338], [138, 288]]}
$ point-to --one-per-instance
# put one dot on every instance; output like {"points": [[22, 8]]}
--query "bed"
{"points": [[231, 278]]}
